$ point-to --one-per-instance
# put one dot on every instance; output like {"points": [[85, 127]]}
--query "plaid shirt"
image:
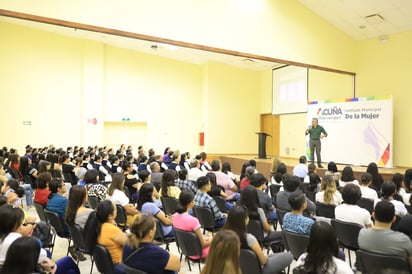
{"points": [[203, 199], [186, 184]]}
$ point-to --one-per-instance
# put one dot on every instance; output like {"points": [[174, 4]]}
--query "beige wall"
{"points": [[280, 29], [384, 69]]}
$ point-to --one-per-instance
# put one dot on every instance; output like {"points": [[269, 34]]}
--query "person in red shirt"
{"points": [[42, 193]]}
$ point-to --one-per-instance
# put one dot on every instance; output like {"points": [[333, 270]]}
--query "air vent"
{"points": [[374, 19]]}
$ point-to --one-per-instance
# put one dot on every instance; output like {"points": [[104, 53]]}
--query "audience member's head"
{"points": [[215, 165], [22, 256], [258, 180], [297, 201], [186, 200], [366, 179], [351, 194], [224, 254], [302, 159], [43, 180], [388, 189], [322, 247], [347, 174], [398, 180], [203, 182], [292, 183], [408, 178], [384, 212], [91, 176], [332, 167], [143, 226]]}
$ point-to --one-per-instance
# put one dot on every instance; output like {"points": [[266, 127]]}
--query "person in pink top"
{"points": [[184, 221], [225, 181]]}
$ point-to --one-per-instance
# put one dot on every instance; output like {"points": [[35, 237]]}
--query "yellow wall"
{"points": [[233, 113], [280, 29], [384, 69], [40, 76]]}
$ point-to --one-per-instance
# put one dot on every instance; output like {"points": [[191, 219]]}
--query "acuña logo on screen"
{"points": [[329, 111]]}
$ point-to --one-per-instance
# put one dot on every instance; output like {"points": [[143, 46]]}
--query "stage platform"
{"points": [[264, 165]]}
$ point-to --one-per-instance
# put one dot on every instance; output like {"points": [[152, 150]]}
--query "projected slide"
{"points": [[289, 88]]}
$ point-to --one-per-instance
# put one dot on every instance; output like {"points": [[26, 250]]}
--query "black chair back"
{"points": [[295, 243], [103, 260], [56, 222], [274, 190], [206, 218], [93, 202], [221, 203], [159, 236], [121, 217], [281, 213], [325, 210], [376, 263], [79, 243], [40, 212], [366, 204], [189, 244], [169, 205], [249, 262], [131, 270], [347, 233], [255, 228]]}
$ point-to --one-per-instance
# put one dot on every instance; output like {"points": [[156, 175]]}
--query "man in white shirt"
{"points": [[195, 172], [349, 211], [301, 170]]}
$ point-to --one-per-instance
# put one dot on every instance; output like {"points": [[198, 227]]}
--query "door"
{"points": [[270, 124]]}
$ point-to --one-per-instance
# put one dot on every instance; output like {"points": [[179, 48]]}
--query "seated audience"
{"points": [[224, 180], [184, 221], [140, 252], [259, 182], [115, 193], [366, 190], [301, 170], [388, 191], [322, 252], [349, 211], [13, 225], [333, 170], [224, 254], [109, 235], [328, 193], [42, 193], [93, 186], [294, 221], [400, 194], [169, 189], [183, 182], [146, 204], [381, 239], [202, 199], [195, 172], [249, 199], [377, 179], [132, 182], [237, 221], [250, 170], [291, 185], [347, 177]]}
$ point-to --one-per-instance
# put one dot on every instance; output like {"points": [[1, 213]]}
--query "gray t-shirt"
{"points": [[251, 240], [385, 241]]}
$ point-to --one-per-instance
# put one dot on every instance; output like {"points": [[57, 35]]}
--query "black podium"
{"points": [[262, 144]]}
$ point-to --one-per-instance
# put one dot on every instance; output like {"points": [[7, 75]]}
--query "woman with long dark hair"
{"points": [[237, 221], [322, 252], [169, 189], [17, 263], [146, 204], [184, 221], [377, 179]]}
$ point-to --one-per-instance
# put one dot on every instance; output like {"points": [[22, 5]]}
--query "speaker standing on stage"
{"points": [[316, 132]]}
